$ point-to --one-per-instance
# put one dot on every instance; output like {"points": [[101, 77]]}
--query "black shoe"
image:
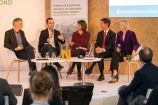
{"points": [[60, 68], [70, 71], [101, 78], [88, 71], [32, 72], [79, 77], [115, 79]]}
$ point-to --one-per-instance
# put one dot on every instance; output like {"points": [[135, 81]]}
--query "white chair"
{"points": [[134, 60], [14, 59], [6, 100], [147, 95]]}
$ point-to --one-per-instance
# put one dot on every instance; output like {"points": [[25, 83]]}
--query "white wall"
{"points": [[33, 14]]}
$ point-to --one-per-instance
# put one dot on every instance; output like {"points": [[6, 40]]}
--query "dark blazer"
{"points": [[10, 40], [44, 35], [109, 43], [6, 91], [130, 42], [144, 79], [80, 40], [2, 100]]}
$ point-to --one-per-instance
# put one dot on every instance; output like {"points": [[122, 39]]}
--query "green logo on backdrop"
{"points": [[6, 2]]}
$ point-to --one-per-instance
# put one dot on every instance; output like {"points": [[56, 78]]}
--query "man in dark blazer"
{"points": [[145, 78], [5, 90], [15, 40], [49, 41], [104, 46]]}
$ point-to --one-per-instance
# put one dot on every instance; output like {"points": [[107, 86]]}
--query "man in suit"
{"points": [[49, 41], [104, 46], [15, 40], [5, 90], [145, 78]]}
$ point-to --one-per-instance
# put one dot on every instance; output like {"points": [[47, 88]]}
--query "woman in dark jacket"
{"points": [[79, 43], [57, 96], [126, 44]]}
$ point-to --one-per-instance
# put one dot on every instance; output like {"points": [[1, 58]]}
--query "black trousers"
{"points": [[100, 63], [116, 58], [27, 54], [76, 54], [48, 48]]}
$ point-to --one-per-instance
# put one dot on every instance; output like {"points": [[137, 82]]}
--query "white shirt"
{"points": [[106, 31], [51, 41]]}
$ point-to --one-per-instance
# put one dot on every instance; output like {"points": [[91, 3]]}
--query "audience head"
{"points": [[41, 86], [105, 23], [146, 55], [124, 25], [50, 23], [17, 24], [55, 80], [81, 25]]}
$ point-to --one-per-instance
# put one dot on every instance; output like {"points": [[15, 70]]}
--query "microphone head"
{"points": [[119, 45]]}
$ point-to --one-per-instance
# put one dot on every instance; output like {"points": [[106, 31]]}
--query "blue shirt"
{"points": [[40, 103], [18, 38]]}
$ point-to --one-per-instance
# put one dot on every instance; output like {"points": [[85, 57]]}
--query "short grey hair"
{"points": [[17, 20], [146, 54], [124, 22]]}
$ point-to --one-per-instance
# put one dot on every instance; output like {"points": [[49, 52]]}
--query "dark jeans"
{"points": [[116, 58], [48, 48], [27, 54], [76, 54], [100, 63]]}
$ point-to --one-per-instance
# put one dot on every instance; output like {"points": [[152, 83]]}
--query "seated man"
{"points": [[15, 40], [145, 78], [49, 41], [5, 90], [104, 47]]}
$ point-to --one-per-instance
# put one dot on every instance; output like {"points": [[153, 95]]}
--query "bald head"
{"points": [[146, 55]]}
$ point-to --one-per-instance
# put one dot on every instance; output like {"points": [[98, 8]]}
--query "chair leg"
{"points": [[10, 67], [18, 71], [138, 65], [129, 72]]}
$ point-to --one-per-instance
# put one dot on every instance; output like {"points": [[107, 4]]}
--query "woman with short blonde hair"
{"points": [[126, 44]]}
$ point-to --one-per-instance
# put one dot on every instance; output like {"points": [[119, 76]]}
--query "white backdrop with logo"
{"points": [[66, 13], [33, 14]]}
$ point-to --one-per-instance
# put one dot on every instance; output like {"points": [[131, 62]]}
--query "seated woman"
{"points": [[126, 44], [40, 88], [79, 43], [56, 96]]}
